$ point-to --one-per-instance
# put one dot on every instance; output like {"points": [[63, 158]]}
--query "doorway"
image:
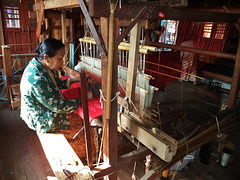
{"points": [[20, 22]]}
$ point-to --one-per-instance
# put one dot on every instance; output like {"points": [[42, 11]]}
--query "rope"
{"points": [[104, 124], [102, 97], [128, 98], [134, 168], [112, 10]]}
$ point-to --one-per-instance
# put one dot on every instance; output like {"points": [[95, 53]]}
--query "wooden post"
{"points": [[86, 118], [235, 79], [1, 33], [133, 62], [7, 64], [40, 15], [64, 34], [110, 135]]}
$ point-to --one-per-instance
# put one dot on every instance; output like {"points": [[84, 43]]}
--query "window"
{"points": [[12, 17], [207, 30], [221, 28], [170, 34]]}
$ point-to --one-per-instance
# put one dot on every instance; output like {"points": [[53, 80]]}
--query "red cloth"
{"points": [[94, 106]]}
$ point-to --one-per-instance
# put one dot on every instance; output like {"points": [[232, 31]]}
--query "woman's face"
{"points": [[55, 63]]}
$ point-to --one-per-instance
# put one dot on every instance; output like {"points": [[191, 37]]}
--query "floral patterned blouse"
{"points": [[42, 107]]}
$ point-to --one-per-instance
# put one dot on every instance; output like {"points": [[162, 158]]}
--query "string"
{"points": [[174, 69], [182, 96], [185, 140]]}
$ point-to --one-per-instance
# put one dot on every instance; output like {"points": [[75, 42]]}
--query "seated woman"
{"points": [[43, 107]]}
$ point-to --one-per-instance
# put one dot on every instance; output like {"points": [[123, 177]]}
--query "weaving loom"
{"points": [[91, 63]]}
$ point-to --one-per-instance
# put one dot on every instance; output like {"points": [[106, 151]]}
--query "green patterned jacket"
{"points": [[42, 108]]}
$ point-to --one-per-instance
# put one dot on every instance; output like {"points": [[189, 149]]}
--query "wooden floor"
{"points": [[22, 157]]}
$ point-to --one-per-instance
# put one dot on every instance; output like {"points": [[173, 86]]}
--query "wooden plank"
{"points": [[150, 175], [53, 4], [133, 62], [99, 42], [60, 154], [100, 8], [86, 118], [7, 64], [122, 161], [160, 146], [235, 79]]}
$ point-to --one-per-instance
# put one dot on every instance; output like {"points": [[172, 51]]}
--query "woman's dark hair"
{"points": [[49, 46]]}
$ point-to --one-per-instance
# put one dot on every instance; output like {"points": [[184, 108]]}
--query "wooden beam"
{"points": [[217, 76], [123, 161], [133, 62], [7, 64], [161, 146], [84, 100], [195, 50], [54, 4], [56, 14], [235, 79], [100, 8], [99, 42]]}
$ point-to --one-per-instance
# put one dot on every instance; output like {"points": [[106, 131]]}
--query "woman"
{"points": [[43, 106]]}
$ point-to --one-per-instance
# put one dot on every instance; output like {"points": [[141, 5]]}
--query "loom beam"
{"points": [[195, 50], [100, 8]]}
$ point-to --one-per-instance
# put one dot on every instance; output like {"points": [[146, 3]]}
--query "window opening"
{"points": [[207, 30], [169, 36], [12, 17]]}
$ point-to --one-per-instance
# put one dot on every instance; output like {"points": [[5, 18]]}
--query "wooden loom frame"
{"points": [[94, 6]]}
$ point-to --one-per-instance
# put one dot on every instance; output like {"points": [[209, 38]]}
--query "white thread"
{"points": [[219, 133], [102, 97]]}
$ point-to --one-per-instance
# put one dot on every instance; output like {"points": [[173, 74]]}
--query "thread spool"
{"points": [[225, 157]]}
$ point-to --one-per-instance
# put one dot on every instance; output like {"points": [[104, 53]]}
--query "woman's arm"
{"points": [[74, 80]]}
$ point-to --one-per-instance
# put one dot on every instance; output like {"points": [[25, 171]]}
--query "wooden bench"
{"points": [[15, 95], [61, 157]]}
